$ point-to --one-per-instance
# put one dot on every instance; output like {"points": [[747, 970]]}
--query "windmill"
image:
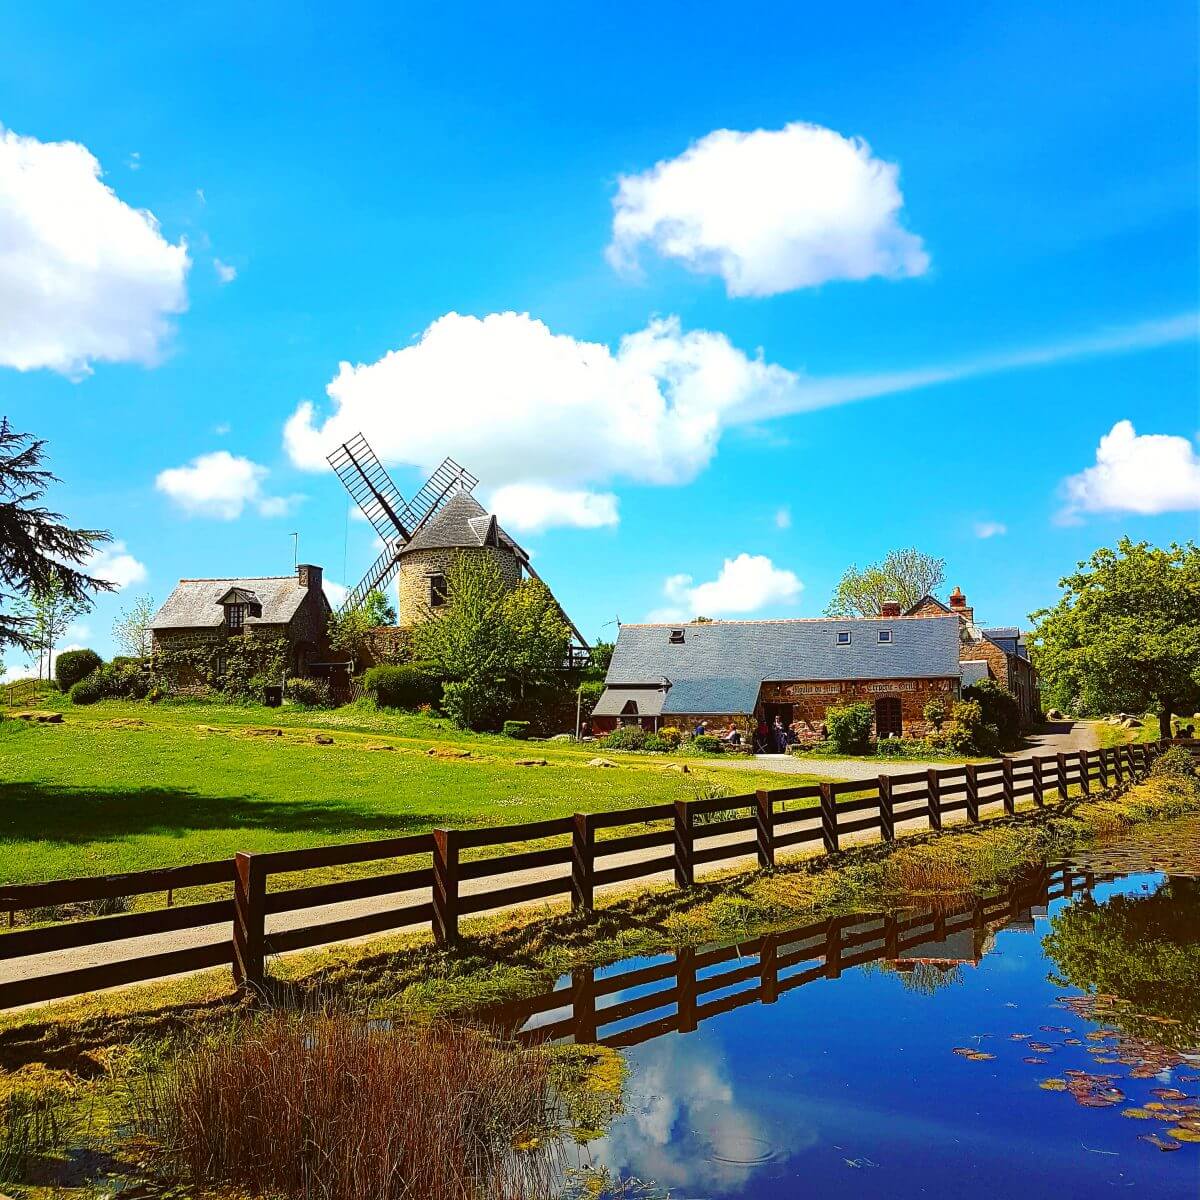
{"points": [[396, 520]]}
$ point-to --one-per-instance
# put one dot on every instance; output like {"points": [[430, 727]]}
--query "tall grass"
{"points": [[329, 1107]]}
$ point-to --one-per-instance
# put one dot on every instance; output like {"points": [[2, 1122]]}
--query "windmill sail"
{"points": [[448, 479], [364, 477], [383, 571]]}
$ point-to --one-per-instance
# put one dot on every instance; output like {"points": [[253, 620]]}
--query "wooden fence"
{"points": [[605, 1006], [588, 849]]}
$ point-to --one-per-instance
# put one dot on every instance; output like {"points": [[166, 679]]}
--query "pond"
{"points": [[1044, 1041]]}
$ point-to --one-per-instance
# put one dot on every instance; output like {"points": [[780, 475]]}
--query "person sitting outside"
{"points": [[701, 728], [732, 736]]}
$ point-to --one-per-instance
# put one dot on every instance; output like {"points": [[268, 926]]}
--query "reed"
{"points": [[333, 1107]]}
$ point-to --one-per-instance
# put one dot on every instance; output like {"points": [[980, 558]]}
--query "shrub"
{"points": [[408, 686], [112, 682], [312, 693], [849, 727], [657, 744], [626, 737], [966, 732], [73, 665], [901, 747], [671, 735], [935, 712], [474, 705], [515, 729], [1175, 763], [707, 743], [999, 708], [90, 689]]}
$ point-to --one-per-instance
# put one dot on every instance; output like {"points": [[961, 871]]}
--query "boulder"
{"points": [[561, 737], [1132, 723], [40, 717], [682, 768], [601, 762], [532, 762], [446, 752], [322, 739], [381, 746], [1055, 715]]}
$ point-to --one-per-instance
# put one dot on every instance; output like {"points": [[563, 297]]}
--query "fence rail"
{"points": [[590, 850]]}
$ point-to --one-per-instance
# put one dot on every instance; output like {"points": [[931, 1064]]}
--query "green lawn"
{"points": [[98, 795]]}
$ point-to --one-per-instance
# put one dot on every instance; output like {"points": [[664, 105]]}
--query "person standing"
{"points": [[779, 735]]}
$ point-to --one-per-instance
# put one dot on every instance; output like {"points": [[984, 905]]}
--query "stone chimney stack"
{"points": [[959, 606], [890, 608], [308, 576]]}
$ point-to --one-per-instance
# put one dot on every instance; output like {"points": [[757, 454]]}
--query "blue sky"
{"points": [[712, 392]]}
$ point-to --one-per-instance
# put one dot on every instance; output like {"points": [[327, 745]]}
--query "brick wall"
{"points": [[412, 586], [810, 700]]}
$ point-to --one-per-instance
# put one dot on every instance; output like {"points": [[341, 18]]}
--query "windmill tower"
{"points": [[422, 537]]}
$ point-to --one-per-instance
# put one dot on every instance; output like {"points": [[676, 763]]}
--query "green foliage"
{"points": [[671, 735], [707, 743], [1175, 763], [467, 640], [238, 667], [114, 681], [88, 690], [131, 629], [407, 686], [378, 610], [537, 636], [999, 708], [657, 744], [935, 712], [312, 693], [901, 748], [347, 632], [474, 704], [73, 665], [515, 729], [625, 737], [849, 727], [590, 692], [966, 732], [602, 653], [1125, 635], [904, 575]]}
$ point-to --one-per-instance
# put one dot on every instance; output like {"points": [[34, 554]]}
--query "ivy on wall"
{"points": [[238, 666]]}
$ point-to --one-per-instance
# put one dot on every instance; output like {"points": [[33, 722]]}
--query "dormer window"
{"points": [[843, 637], [885, 635], [235, 617], [676, 638]]}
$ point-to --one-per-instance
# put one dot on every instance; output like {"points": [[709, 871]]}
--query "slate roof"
{"points": [[649, 701], [195, 603], [461, 522], [721, 665], [973, 670]]}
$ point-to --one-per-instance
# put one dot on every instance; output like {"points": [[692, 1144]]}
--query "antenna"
{"points": [[295, 549]]}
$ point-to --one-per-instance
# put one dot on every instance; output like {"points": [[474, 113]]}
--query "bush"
{"points": [[849, 727], [89, 689], [999, 708], [901, 748], [671, 735], [408, 686], [626, 737], [312, 693], [935, 712], [966, 732], [474, 705], [73, 665], [1175, 763], [515, 729], [658, 745], [707, 743]]}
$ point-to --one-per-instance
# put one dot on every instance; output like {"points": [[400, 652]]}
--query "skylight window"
{"points": [[885, 635], [843, 637], [676, 638]]}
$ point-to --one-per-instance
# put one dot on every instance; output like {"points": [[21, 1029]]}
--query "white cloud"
{"points": [[534, 507], [745, 584], [783, 518], [222, 429], [134, 162], [83, 276], [989, 529], [117, 565], [225, 272], [770, 211], [335, 593], [1147, 473], [519, 404], [221, 485]]}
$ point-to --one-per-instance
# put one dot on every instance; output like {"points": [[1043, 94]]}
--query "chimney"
{"points": [[890, 608], [958, 605], [308, 576]]}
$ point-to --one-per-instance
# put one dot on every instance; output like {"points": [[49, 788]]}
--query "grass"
{"points": [[126, 786]]}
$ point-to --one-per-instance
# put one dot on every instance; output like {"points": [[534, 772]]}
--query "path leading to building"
{"points": [[1053, 739]]}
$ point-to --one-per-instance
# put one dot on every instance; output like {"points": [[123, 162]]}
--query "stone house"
{"points": [[738, 672], [1000, 654], [211, 612]]}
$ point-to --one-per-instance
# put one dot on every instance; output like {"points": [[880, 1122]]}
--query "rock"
{"points": [[322, 739], [567, 737], [446, 752], [682, 768], [1055, 715], [532, 762], [1132, 723], [40, 717], [211, 729], [252, 732], [601, 762], [381, 746]]}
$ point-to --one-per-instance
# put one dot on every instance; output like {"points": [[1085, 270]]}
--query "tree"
{"points": [[602, 653], [538, 637], [378, 610], [38, 552], [47, 613], [904, 575], [1125, 635], [131, 630]]}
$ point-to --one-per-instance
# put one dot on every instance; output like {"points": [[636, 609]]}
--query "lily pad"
{"points": [[1053, 1085], [1162, 1143], [1138, 1114], [1182, 1133]]}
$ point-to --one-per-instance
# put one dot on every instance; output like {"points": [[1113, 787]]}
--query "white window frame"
{"points": [[843, 637], [885, 636]]}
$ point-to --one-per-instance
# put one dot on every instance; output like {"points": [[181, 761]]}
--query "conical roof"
{"points": [[461, 523]]}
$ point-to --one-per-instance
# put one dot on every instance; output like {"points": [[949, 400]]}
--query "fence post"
{"points": [[1062, 775], [933, 781], [768, 970], [887, 811], [249, 921], [1119, 763], [583, 857], [833, 949], [685, 988], [1006, 772], [583, 1004], [1039, 787], [763, 829], [445, 886], [829, 823], [685, 869], [972, 794], [891, 938], [1104, 769], [1085, 781]]}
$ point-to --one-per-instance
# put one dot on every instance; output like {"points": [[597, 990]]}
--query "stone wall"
{"points": [[810, 701], [412, 585]]}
